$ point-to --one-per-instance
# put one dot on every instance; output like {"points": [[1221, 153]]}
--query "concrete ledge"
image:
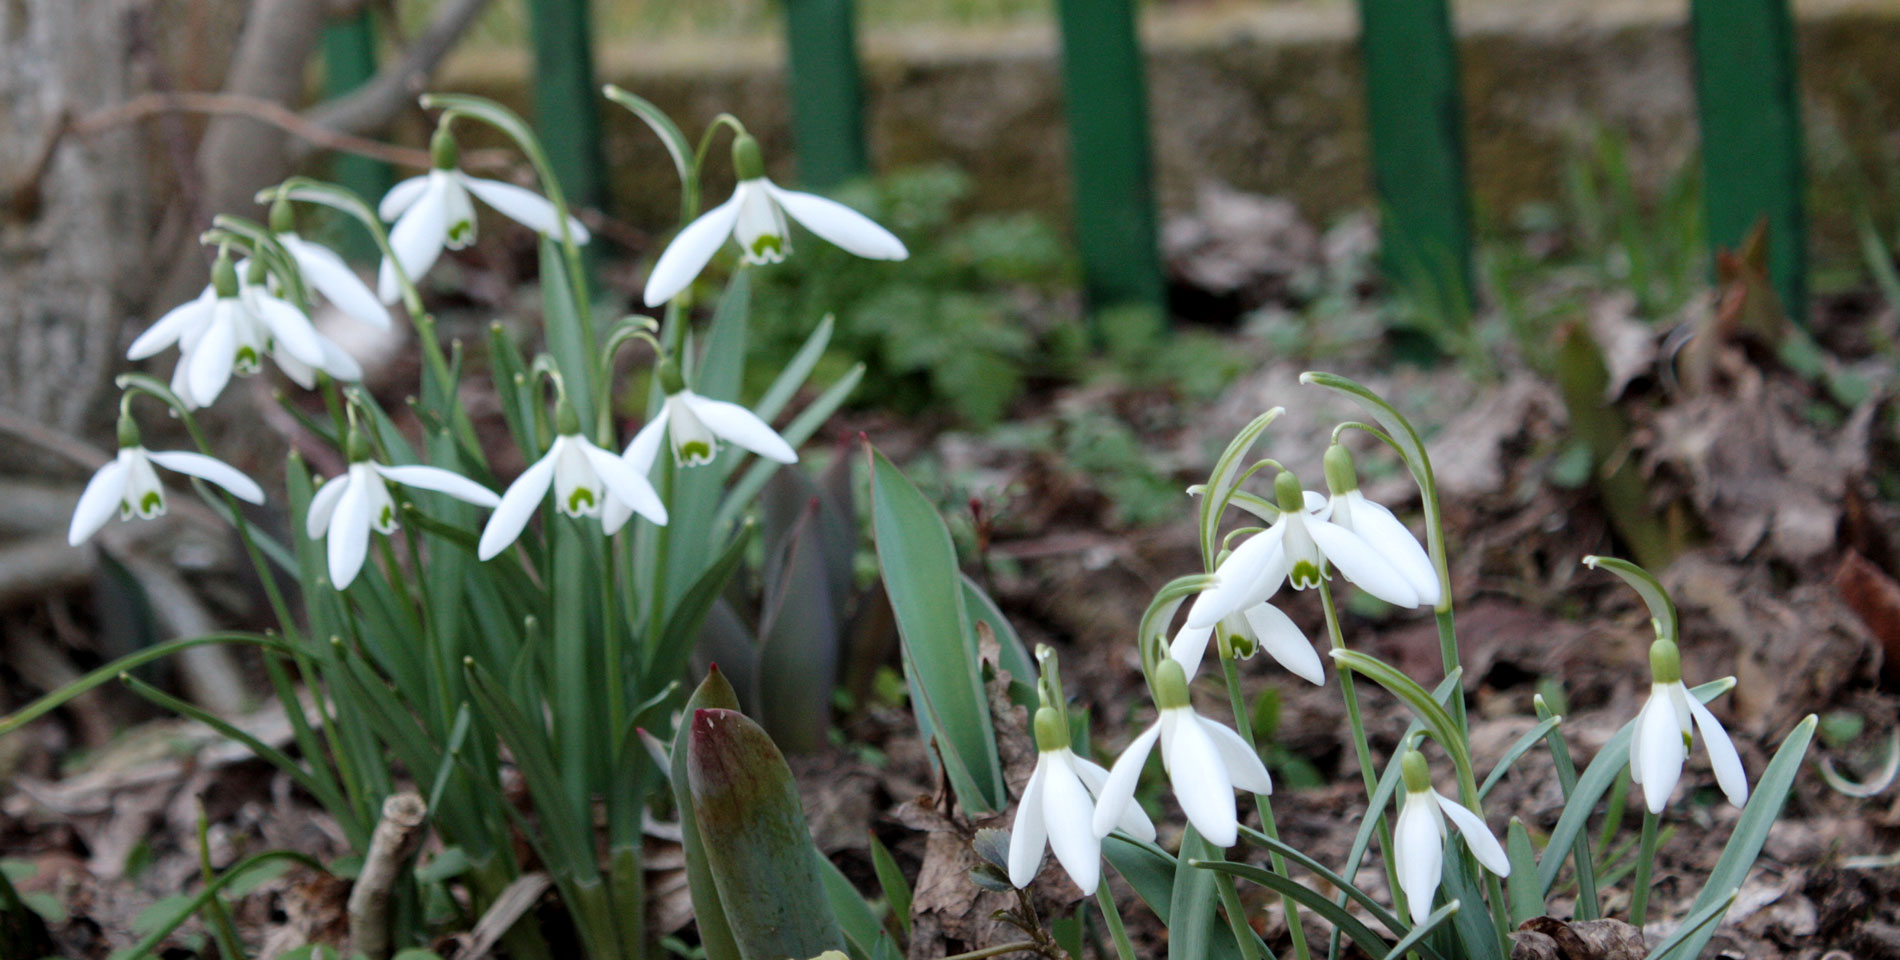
{"points": [[1268, 99]]}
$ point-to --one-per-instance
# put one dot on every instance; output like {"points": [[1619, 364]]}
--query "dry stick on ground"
{"points": [[397, 835]]}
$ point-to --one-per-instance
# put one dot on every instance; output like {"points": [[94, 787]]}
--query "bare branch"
{"points": [[395, 87]]}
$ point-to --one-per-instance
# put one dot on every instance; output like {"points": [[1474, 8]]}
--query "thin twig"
{"points": [[256, 108]]}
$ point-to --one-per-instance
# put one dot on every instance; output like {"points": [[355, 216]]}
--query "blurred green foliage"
{"points": [[959, 325]]}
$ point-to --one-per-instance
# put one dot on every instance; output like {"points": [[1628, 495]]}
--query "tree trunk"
{"points": [[76, 231]]}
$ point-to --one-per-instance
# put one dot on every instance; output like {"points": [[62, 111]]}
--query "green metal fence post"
{"points": [[1415, 121], [1107, 105], [1747, 87], [349, 61], [567, 97], [826, 92]]}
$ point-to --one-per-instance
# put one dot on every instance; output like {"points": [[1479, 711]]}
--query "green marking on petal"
{"points": [[152, 504], [246, 361], [1242, 646], [695, 452], [768, 242], [460, 231], [386, 519], [1305, 574], [580, 501]]}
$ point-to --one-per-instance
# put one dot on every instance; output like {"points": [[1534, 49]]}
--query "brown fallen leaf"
{"points": [[1548, 938], [1875, 598]]}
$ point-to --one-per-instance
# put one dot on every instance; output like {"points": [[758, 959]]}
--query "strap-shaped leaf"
{"points": [[662, 126], [1150, 871], [1511, 756], [1373, 944], [1391, 922], [1220, 484], [757, 845], [1662, 610], [1697, 923], [1526, 900], [919, 564], [709, 911]]}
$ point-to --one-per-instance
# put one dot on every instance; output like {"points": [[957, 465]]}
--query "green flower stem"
{"points": [[1645, 859], [1588, 906], [1448, 641], [614, 646], [1361, 748], [1236, 913], [1112, 915], [1000, 950], [1243, 725]]}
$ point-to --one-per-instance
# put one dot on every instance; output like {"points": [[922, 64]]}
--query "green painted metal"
{"points": [[1109, 155], [826, 91], [349, 61], [1747, 89], [1415, 121], [567, 97]]}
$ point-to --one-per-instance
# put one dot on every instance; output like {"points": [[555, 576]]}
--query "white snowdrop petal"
{"points": [[1243, 764], [440, 481], [1285, 642], [1394, 541], [100, 500], [689, 252], [1418, 855], [1484, 845], [1235, 578], [1118, 791], [523, 206], [1028, 833], [839, 225], [736, 424], [401, 197], [417, 240], [333, 278], [644, 448], [1133, 820], [1729, 774], [1067, 815], [518, 504], [1662, 752], [349, 535], [216, 471], [323, 505], [211, 359], [291, 329], [1316, 503], [1201, 783], [1189, 646], [172, 327], [1361, 564], [625, 483]]}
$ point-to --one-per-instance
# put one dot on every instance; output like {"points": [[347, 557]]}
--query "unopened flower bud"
{"points": [[1418, 777], [282, 220], [443, 151], [747, 162], [1287, 493], [566, 421], [1171, 689], [668, 370], [1050, 734], [1341, 478], [1665, 661], [128, 432], [224, 277]]}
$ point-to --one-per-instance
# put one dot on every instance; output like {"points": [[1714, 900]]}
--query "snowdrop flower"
{"points": [[1418, 837], [1296, 548], [325, 270], [1663, 735], [229, 329], [755, 218], [1058, 808], [693, 425], [346, 508], [433, 212], [582, 475], [1205, 761], [1246, 632], [1373, 523], [130, 485]]}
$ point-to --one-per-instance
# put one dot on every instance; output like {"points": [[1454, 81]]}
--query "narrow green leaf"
{"points": [[1150, 871], [786, 384], [1012, 654], [1192, 930], [798, 646], [856, 918], [891, 879], [1662, 610], [1526, 900], [666, 659], [1416, 939], [795, 433], [111, 671], [762, 861], [1221, 483], [1697, 925], [566, 330], [1751, 831], [920, 574], [1374, 945], [567, 838], [1476, 931], [1379, 912], [1523, 743]]}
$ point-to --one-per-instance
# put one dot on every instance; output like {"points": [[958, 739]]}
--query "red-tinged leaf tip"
{"points": [[713, 667]]}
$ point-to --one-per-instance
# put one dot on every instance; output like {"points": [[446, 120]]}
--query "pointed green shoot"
{"points": [[1662, 610]]}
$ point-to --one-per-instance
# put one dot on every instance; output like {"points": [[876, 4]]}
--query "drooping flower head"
{"points": [[1665, 733], [433, 212], [754, 218], [1057, 807], [346, 508], [1297, 549], [324, 270], [1418, 836], [1205, 761], [582, 476], [129, 485]]}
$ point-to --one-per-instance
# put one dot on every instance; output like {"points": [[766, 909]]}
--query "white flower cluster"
{"points": [[257, 306]]}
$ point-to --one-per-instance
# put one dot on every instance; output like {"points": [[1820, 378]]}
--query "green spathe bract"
{"points": [[755, 839]]}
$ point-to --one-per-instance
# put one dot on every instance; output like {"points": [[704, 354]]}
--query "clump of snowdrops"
{"points": [[1453, 887]]}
